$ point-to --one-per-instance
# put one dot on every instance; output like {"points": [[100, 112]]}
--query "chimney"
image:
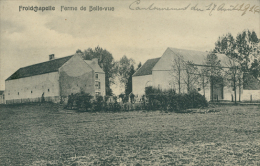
{"points": [[51, 57]]}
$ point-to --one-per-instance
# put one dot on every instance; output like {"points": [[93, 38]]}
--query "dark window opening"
{"points": [[31, 91], [97, 85], [18, 93], [96, 76], [48, 90]]}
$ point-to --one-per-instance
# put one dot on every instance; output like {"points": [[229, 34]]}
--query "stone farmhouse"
{"points": [[158, 73], [55, 80]]}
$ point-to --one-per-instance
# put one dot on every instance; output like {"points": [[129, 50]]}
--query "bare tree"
{"points": [[177, 71], [233, 76], [191, 75]]}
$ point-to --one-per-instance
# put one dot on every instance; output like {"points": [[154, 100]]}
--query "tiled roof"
{"points": [[251, 83], [196, 57], [94, 66], [146, 68], [40, 68]]}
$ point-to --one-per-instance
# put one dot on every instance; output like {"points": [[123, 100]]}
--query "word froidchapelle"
{"points": [[36, 8]]}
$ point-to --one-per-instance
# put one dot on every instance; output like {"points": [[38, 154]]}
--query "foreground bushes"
{"points": [[153, 100], [170, 101]]}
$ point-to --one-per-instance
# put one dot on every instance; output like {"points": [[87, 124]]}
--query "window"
{"points": [[97, 85], [96, 76], [31, 91], [48, 90], [18, 93]]}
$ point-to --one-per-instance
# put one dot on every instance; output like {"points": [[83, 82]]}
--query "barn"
{"points": [[55, 80], [159, 73]]}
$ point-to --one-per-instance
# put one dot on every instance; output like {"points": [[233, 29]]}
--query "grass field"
{"points": [[49, 135]]}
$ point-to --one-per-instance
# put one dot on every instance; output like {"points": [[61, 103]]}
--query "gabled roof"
{"points": [[146, 68], [40, 68], [1, 92], [196, 57], [94, 66], [250, 82]]}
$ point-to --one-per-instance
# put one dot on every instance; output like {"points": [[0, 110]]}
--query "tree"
{"points": [[88, 54], [255, 68], [79, 51], [247, 45], [212, 73], [139, 66], [245, 50], [242, 53], [125, 70], [177, 71], [191, 76], [106, 62], [128, 87], [227, 45]]}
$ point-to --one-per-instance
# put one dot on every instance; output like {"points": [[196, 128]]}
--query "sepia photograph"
{"points": [[129, 83]]}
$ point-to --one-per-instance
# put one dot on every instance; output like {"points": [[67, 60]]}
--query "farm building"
{"points": [[55, 80], [162, 73], [2, 97]]}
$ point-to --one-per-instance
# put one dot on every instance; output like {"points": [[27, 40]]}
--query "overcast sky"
{"points": [[28, 37]]}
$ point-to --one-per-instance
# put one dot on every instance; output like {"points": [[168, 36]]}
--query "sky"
{"points": [[29, 37]]}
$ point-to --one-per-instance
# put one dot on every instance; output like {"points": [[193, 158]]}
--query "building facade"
{"points": [[169, 72], [53, 80]]}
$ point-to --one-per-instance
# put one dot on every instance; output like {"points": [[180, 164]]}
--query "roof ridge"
{"points": [[184, 49], [146, 71], [45, 61], [88, 64], [39, 68]]}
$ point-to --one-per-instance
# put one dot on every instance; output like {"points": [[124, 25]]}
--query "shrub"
{"points": [[98, 104], [132, 98], [83, 101], [116, 106], [170, 101]]}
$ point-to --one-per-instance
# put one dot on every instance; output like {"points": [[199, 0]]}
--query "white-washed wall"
{"points": [[246, 95], [101, 79], [162, 79], [32, 87], [139, 83]]}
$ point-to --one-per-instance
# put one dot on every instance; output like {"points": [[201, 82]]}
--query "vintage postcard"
{"points": [[135, 82]]}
